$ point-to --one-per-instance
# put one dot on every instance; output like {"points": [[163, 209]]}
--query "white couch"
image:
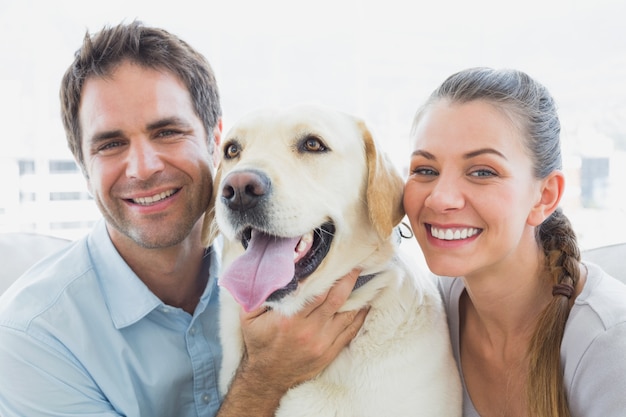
{"points": [[612, 258], [19, 251]]}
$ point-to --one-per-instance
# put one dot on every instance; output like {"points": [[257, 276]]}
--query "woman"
{"points": [[536, 332]]}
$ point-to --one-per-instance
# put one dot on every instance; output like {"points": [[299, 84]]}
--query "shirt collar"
{"points": [[211, 265], [127, 297]]}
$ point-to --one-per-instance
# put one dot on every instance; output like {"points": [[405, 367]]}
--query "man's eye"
{"points": [[109, 146], [167, 133]]}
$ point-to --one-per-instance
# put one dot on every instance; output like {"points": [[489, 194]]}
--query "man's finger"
{"points": [[338, 294]]}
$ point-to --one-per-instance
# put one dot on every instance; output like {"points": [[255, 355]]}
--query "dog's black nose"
{"points": [[242, 190]]}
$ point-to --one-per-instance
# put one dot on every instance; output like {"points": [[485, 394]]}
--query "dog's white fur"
{"points": [[400, 364]]}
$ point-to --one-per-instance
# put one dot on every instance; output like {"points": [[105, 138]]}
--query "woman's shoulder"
{"points": [[603, 298], [598, 314], [593, 346]]}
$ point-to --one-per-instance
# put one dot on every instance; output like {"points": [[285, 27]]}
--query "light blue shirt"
{"points": [[81, 334]]}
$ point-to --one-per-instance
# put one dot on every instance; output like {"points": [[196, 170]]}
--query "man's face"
{"points": [[146, 156]]}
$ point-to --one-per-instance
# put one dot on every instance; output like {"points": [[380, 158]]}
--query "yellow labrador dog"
{"points": [[302, 196]]}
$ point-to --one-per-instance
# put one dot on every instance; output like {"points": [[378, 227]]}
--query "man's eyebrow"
{"points": [[161, 123], [168, 121], [103, 136]]}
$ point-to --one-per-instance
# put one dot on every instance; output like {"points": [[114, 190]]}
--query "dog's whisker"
{"points": [[319, 232]]}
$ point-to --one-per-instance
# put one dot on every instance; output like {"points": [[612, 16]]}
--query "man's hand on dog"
{"points": [[282, 352]]}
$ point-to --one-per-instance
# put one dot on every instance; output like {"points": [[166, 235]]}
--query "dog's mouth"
{"points": [[272, 266], [310, 250]]}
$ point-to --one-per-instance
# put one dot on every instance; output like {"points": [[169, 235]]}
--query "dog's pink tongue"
{"points": [[266, 266]]}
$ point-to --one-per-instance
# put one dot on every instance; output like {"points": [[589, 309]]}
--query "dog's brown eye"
{"points": [[313, 144], [232, 150]]}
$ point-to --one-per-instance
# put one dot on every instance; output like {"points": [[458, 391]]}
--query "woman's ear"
{"points": [[551, 190]]}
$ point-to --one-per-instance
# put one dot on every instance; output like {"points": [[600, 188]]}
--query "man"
{"points": [[124, 321]]}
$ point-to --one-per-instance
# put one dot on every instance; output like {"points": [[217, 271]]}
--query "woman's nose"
{"points": [[446, 195]]}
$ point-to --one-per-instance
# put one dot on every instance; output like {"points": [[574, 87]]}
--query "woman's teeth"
{"points": [[453, 234]]}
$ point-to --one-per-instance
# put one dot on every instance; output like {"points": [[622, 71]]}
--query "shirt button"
{"points": [[206, 398], [192, 331]]}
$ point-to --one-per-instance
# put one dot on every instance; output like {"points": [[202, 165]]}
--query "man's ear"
{"points": [[83, 169], [551, 190], [88, 184], [209, 226], [217, 141]]}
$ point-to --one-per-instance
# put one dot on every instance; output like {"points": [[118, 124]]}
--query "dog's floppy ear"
{"points": [[209, 225], [385, 187]]}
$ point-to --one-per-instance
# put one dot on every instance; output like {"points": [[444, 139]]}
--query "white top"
{"points": [[593, 351]]}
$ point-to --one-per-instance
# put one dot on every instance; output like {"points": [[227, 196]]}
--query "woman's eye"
{"points": [[424, 171], [483, 173]]}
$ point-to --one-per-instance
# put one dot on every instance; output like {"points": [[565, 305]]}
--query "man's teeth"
{"points": [[453, 234], [304, 243], [153, 199]]}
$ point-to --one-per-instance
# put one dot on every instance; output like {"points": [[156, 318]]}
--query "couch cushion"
{"points": [[612, 258], [20, 251]]}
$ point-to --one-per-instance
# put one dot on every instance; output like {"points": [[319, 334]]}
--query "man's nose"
{"points": [[144, 160]]}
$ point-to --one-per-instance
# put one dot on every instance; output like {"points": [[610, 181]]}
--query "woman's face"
{"points": [[471, 192]]}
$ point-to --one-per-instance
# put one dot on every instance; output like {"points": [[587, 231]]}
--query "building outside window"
{"points": [[378, 60]]}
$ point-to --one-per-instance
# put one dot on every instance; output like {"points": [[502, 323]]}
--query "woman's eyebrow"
{"points": [[419, 152], [483, 151], [468, 155]]}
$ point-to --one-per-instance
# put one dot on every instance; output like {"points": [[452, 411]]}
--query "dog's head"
{"points": [[301, 196]]}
